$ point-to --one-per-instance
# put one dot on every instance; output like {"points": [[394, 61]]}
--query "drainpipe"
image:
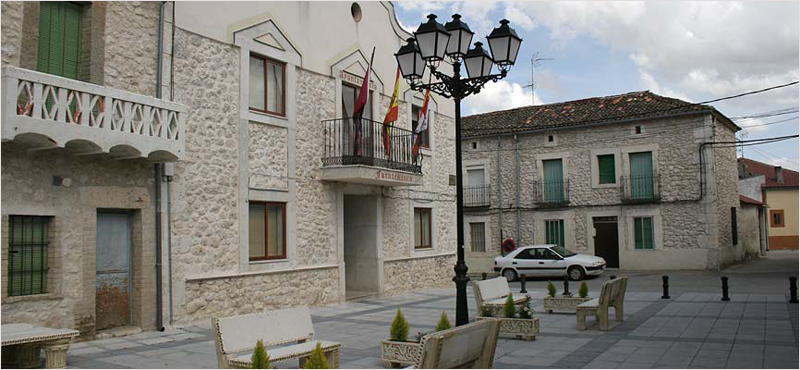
{"points": [[519, 237], [500, 192], [158, 178]]}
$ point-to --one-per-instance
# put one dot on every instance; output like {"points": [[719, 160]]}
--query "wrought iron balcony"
{"points": [[476, 196], [364, 151], [551, 193], [49, 111], [641, 188]]}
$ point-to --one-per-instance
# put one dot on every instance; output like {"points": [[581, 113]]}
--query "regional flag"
{"points": [[422, 125], [361, 102], [391, 114]]}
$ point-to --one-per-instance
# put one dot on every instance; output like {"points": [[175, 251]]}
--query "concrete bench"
{"points": [[466, 346], [493, 293], [612, 294], [287, 334], [22, 344]]}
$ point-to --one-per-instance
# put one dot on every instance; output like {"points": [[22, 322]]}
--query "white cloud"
{"points": [[752, 125], [649, 83], [499, 96]]}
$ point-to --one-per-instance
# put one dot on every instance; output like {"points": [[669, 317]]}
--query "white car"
{"points": [[548, 260]]}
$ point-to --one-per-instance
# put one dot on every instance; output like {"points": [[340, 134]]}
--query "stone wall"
{"points": [[417, 274], [674, 143], [268, 157], [12, 14], [131, 46], [726, 173]]}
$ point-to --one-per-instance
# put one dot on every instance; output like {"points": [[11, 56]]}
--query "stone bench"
{"points": [[612, 294], [493, 293], [286, 334], [467, 346], [22, 344]]}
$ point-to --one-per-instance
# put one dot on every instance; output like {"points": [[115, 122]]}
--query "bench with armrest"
{"points": [[493, 293], [286, 334], [612, 294], [467, 346]]}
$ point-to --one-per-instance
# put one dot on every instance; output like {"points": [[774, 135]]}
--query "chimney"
{"points": [[779, 174]]}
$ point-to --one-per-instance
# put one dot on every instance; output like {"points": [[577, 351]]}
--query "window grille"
{"points": [[28, 243]]}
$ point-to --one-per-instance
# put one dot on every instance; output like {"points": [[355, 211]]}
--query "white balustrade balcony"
{"points": [[48, 111]]}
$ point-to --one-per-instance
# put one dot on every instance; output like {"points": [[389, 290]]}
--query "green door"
{"points": [[641, 175], [553, 181], [59, 38]]}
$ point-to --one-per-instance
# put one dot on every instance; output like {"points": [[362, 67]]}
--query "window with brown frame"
{"points": [[422, 228], [267, 85], [776, 218], [267, 231]]}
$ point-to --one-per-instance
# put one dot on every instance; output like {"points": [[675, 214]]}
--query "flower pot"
{"points": [[394, 354], [520, 328], [568, 304]]}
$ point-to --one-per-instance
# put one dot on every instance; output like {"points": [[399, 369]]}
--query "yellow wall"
{"points": [[785, 199]]}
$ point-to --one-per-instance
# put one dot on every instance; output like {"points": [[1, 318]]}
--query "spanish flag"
{"points": [[391, 114]]}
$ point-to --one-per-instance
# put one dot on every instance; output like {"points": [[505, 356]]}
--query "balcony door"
{"points": [[553, 181], [641, 175], [356, 131], [476, 193], [59, 38]]}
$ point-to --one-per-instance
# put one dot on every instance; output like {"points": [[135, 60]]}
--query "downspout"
{"points": [[158, 178], [169, 195], [500, 192], [519, 221]]}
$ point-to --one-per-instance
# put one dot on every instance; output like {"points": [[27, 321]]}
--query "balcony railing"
{"points": [[641, 188], [351, 141], [551, 193], [476, 196], [54, 111]]}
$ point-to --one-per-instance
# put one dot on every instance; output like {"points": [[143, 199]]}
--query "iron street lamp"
{"points": [[430, 44]]}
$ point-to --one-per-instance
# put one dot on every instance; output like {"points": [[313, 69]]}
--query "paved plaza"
{"points": [[693, 329]]}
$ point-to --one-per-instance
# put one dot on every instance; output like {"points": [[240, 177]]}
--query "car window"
{"points": [[564, 252], [546, 254], [525, 255]]}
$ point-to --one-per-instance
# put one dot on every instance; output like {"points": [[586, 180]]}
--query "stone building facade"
{"points": [[208, 178], [587, 174]]}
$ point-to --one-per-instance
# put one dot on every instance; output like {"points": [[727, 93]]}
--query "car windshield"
{"points": [[564, 252]]}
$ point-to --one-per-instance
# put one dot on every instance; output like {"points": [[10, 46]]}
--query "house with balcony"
{"points": [[221, 150], [632, 178]]}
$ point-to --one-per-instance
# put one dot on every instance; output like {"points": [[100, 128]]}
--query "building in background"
{"points": [[779, 189], [214, 141], [628, 177]]}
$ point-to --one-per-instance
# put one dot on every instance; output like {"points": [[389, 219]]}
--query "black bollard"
{"points": [[725, 289], [566, 286], [665, 286], [522, 284], [612, 277], [483, 275], [793, 289]]}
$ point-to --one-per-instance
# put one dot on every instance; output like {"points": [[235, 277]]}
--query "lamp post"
{"points": [[428, 48]]}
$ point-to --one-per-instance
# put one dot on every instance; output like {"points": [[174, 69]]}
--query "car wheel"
{"points": [[510, 274], [576, 273]]}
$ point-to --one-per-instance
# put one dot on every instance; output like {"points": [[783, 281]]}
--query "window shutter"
{"points": [[605, 165], [59, 38], [637, 227], [72, 39]]}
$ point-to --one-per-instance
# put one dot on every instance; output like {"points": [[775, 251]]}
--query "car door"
{"points": [[524, 262], [549, 263]]}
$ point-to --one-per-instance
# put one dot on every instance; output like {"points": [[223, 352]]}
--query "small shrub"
{"points": [[526, 312], [509, 308], [399, 330], [317, 360], [260, 359], [583, 291], [486, 311], [444, 322], [551, 289]]}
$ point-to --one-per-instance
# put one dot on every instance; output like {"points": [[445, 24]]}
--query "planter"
{"points": [[394, 354], [520, 328], [563, 303]]}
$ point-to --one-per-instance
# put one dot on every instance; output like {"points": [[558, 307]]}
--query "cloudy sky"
{"points": [[694, 51]]}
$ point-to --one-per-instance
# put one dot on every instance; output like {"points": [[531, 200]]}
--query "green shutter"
{"points": [[27, 255], [641, 175], [643, 232], [553, 181], [554, 232], [605, 165], [59, 38]]}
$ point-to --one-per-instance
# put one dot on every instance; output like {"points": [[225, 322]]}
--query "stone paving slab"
{"points": [[692, 330]]}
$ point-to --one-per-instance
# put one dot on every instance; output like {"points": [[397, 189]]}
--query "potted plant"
{"points": [[398, 350], [565, 303], [519, 323], [317, 360], [260, 359]]}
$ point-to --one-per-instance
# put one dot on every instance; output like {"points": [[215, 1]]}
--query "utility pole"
{"points": [[535, 62]]}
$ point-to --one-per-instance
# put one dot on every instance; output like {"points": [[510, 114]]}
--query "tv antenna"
{"points": [[535, 62], [743, 135]]}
